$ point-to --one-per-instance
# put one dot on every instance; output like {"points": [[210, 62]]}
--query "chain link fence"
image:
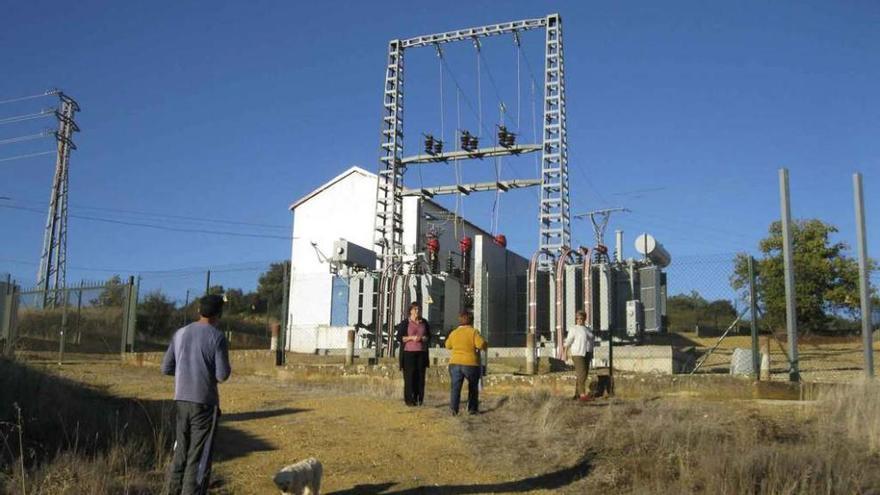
{"points": [[169, 300], [92, 318], [709, 321]]}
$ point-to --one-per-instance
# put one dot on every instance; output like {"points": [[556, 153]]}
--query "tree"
{"points": [[686, 311], [113, 294], [270, 287], [237, 302], [826, 279], [155, 314]]}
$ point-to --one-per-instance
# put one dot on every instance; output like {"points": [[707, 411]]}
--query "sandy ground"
{"points": [[367, 444]]}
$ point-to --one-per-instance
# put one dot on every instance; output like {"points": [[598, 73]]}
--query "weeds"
{"points": [[73, 439], [666, 445]]}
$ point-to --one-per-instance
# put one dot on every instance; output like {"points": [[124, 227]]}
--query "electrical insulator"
{"points": [[505, 137], [602, 249], [465, 244], [438, 147], [433, 245], [465, 140], [450, 264], [501, 240], [429, 144]]}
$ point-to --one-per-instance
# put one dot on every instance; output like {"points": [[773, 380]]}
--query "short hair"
{"points": [[465, 318], [415, 305], [581, 314], [211, 306]]}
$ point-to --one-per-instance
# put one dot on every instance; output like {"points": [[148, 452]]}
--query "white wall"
{"points": [[345, 209]]}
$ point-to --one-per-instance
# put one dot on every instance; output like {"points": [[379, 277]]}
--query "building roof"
{"points": [[352, 170]]}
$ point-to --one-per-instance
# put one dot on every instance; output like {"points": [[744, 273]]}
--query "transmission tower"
{"points": [[554, 219], [53, 263]]}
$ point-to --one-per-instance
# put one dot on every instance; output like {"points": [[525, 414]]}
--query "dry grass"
{"points": [[666, 445], [76, 439]]}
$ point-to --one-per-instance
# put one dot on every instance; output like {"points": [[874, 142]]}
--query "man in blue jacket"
{"points": [[198, 358]]}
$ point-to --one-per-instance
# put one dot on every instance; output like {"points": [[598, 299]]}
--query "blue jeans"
{"points": [[459, 373]]}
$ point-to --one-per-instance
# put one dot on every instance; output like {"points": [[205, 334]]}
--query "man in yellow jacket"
{"points": [[465, 343]]}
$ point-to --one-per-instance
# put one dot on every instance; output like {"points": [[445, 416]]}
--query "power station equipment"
{"points": [[649, 247], [347, 253]]}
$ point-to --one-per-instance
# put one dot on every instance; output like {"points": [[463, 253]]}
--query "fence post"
{"points": [[864, 284], [61, 336], [79, 300], [788, 259], [285, 307], [349, 347], [129, 318], [185, 310], [8, 300], [753, 310]]}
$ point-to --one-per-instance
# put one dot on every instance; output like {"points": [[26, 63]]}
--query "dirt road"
{"points": [[368, 444]]}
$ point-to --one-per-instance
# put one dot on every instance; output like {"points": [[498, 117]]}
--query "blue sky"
{"points": [[681, 111]]}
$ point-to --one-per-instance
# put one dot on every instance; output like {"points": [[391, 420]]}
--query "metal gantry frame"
{"points": [[553, 217], [52, 274]]}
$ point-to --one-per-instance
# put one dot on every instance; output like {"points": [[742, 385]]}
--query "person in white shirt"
{"points": [[579, 345]]}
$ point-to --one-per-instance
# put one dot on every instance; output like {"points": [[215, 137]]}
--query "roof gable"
{"points": [[352, 170]]}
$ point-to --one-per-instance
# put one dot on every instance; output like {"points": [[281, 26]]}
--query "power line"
{"points": [[51, 92], [158, 227], [188, 270], [28, 137], [168, 216], [494, 86], [29, 116], [27, 155]]}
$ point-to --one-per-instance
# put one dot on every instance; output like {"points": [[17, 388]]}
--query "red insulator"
{"points": [[501, 240], [465, 244], [433, 244], [602, 248]]}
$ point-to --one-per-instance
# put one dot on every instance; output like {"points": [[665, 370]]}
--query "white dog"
{"points": [[302, 478]]}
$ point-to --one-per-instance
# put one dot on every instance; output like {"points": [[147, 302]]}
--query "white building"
{"points": [[344, 207]]}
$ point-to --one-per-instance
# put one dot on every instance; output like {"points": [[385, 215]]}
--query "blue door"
{"points": [[339, 302]]}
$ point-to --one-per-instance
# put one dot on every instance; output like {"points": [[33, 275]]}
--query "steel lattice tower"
{"points": [[53, 263], [554, 216], [555, 231]]}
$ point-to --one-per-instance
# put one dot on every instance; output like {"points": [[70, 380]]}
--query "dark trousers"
{"points": [[581, 369], [458, 374], [414, 365], [194, 422]]}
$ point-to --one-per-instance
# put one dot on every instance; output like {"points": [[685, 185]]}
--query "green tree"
{"points": [[237, 302], [686, 311], [826, 279], [113, 294], [155, 315], [270, 287]]}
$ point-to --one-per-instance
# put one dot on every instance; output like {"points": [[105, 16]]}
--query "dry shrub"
{"points": [[77, 439], [855, 412], [665, 445]]}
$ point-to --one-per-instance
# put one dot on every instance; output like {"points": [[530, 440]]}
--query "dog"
{"points": [[302, 478]]}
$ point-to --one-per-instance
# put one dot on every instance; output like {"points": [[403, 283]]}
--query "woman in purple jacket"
{"points": [[413, 336]]}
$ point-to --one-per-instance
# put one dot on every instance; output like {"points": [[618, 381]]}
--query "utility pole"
{"points": [[864, 283], [753, 312], [788, 259], [53, 261]]}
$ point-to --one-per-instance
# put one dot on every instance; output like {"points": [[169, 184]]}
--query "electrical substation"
{"points": [[366, 245]]}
